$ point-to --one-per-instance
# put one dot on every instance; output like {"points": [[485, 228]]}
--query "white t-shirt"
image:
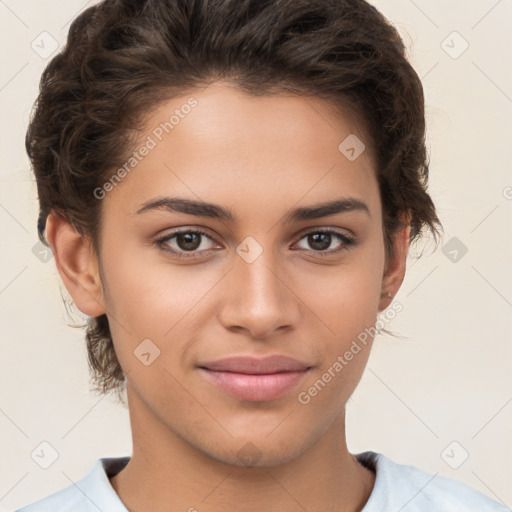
{"points": [[397, 488]]}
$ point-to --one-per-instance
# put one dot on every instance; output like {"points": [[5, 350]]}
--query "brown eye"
{"points": [[319, 242], [188, 243]]}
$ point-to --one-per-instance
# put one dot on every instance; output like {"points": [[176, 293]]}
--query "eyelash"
{"points": [[345, 239]]}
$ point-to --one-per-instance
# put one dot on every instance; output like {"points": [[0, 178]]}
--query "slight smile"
{"points": [[252, 379]]}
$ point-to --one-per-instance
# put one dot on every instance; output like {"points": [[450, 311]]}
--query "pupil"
{"points": [[186, 241], [316, 238]]}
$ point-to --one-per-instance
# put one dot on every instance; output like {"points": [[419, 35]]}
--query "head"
{"points": [[257, 107]]}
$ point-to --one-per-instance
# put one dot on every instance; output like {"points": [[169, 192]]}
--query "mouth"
{"points": [[252, 379]]}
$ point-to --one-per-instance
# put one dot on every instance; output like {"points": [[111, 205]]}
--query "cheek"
{"points": [[151, 295], [150, 298], [345, 297], [327, 392], [347, 304]]}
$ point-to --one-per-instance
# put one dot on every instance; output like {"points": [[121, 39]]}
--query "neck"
{"points": [[165, 473]]}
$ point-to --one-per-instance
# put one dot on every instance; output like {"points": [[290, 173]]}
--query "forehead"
{"points": [[248, 152]]}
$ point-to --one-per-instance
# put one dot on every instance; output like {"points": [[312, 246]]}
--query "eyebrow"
{"points": [[204, 209]]}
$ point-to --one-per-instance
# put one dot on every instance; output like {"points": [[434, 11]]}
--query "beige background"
{"points": [[447, 380]]}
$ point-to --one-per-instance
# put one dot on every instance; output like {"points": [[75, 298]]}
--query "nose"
{"points": [[258, 297]]}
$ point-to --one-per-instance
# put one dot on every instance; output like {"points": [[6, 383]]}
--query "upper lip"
{"points": [[256, 366]]}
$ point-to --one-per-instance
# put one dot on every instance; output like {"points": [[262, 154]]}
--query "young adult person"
{"points": [[230, 189]]}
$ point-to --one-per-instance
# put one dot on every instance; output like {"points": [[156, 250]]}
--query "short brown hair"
{"points": [[124, 57]]}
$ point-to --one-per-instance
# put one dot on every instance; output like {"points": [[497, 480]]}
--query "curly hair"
{"points": [[124, 57]]}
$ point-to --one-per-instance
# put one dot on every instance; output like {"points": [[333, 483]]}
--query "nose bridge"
{"points": [[258, 298]]}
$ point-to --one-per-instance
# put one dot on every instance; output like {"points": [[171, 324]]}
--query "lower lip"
{"points": [[256, 388]]}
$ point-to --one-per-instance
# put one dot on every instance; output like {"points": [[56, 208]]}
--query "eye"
{"points": [[320, 240], [190, 243], [185, 241]]}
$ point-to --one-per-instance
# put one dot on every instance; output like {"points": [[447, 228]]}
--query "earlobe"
{"points": [[77, 264], [395, 269]]}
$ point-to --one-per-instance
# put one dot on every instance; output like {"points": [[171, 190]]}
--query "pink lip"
{"points": [[255, 379], [254, 365], [257, 388]]}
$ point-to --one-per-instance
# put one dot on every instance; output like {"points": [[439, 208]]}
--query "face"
{"points": [[262, 271]]}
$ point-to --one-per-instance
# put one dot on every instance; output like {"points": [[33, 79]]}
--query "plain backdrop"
{"points": [[439, 398]]}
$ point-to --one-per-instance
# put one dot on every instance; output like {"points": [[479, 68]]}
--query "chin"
{"points": [[256, 451]]}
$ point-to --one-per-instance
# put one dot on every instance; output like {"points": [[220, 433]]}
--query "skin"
{"points": [[259, 157]]}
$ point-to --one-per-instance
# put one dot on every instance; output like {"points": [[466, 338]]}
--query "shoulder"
{"points": [[91, 493], [410, 489]]}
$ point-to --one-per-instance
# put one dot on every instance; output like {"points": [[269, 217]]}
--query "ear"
{"points": [[395, 269], [77, 264]]}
